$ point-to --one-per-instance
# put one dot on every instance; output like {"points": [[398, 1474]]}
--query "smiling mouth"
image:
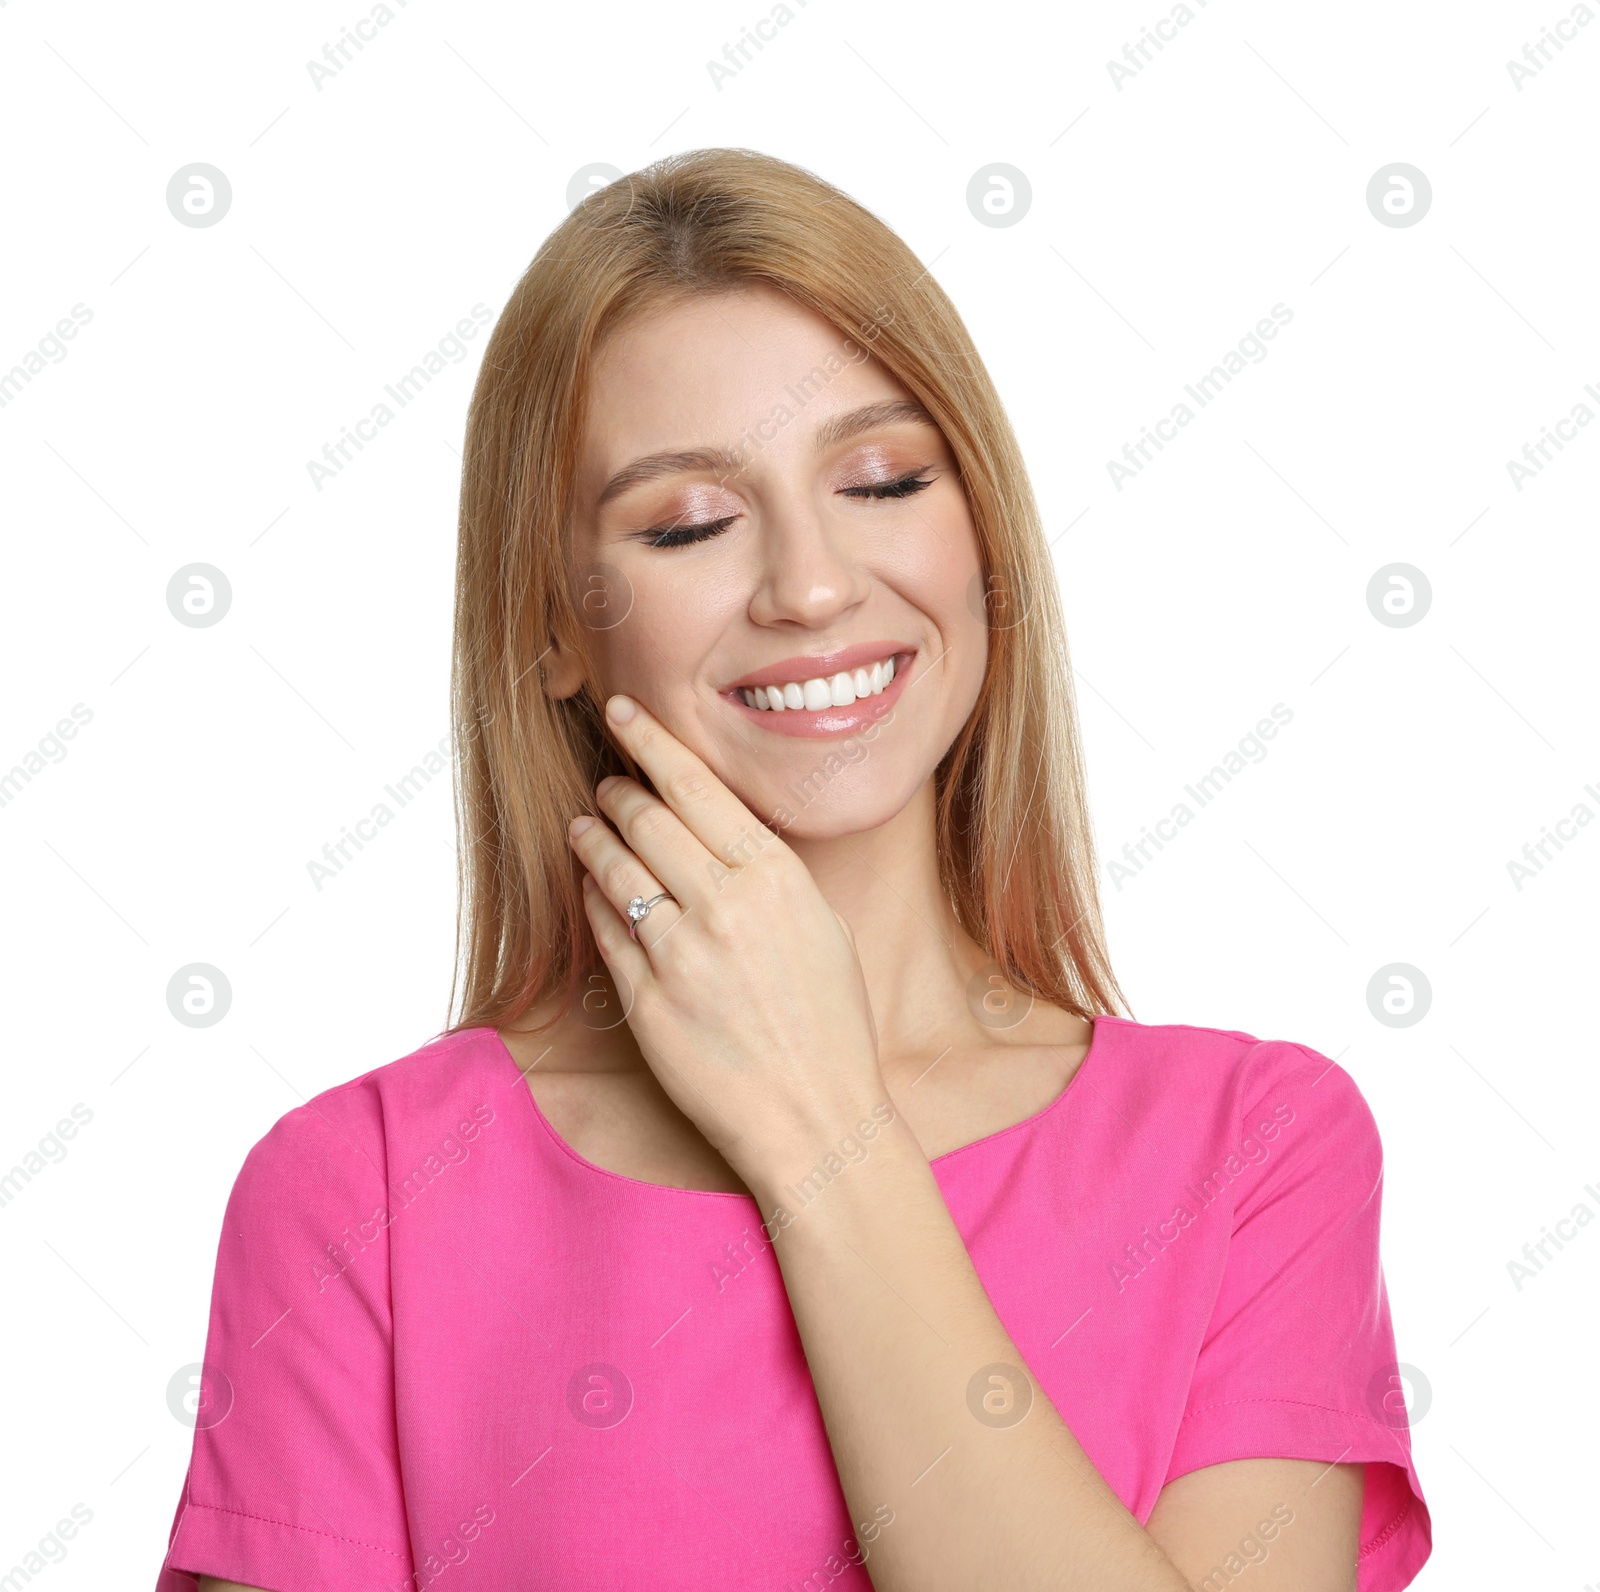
{"points": [[827, 704], [823, 691]]}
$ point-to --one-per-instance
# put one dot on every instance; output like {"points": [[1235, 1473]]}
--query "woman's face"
{"points": [[761, 505]]}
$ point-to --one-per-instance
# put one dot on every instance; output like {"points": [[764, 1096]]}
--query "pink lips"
{"points": [[822, 665], [829, 721]]}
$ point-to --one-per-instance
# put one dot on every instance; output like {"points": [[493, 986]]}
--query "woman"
{"points": [[788, 1208]]}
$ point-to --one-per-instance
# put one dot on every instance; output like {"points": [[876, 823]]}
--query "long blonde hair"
{"points": [[1015, 850]]}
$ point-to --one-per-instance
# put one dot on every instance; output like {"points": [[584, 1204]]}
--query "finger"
{"points": [[660, 840], [620, 874], [626, 959], [709, 810], [618, 951]]}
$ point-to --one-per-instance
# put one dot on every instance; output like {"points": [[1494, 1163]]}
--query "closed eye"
{"points": [[686, 535], [906, 486]]}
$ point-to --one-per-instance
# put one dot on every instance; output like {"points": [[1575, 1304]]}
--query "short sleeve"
{"points": [[1298, 1361], [294, 1478]]}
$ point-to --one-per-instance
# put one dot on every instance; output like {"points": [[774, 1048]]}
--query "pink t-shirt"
{"points": [[444, 1345]]}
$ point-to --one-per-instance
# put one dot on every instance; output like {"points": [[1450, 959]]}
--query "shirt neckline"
{"points": [[1096, 1044]]}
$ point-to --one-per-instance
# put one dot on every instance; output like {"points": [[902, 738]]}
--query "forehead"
{"points": [[704, 371]]}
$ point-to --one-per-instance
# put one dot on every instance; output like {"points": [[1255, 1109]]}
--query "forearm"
{"points": [[897, 1327]]}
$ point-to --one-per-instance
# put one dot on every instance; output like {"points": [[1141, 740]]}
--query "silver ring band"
{"points": [[638, 910]]}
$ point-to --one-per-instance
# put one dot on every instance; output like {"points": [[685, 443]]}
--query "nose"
{"points": [[808, 573]]}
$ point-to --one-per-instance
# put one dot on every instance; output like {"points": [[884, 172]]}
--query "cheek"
{"points": [[651, 645], [623, 654], [962, 604], [937, 552], [939, 573]]}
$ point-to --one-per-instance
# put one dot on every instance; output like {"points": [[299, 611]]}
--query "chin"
{"points": [[824, 807]]}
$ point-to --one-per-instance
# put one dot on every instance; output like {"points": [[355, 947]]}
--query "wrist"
{"points": [[822, 1157]]}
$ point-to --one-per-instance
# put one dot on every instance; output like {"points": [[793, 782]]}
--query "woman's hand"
{"points": [[743, 991]]}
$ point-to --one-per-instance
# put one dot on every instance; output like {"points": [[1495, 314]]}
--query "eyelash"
{"points": [[686, 535]]}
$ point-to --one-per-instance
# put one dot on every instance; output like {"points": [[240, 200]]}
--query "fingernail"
{"points": [[579, 824], [620, 709]]}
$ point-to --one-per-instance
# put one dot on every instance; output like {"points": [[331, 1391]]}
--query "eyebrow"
{"points": [[727, 461]]}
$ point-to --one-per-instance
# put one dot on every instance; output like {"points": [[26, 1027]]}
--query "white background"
{"points": [[1168, 216]]}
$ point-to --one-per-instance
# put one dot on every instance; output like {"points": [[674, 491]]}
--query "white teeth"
{"points": [[837, 691]]}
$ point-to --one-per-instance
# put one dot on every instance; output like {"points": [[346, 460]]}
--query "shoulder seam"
{"points": [[1191, 1028], [1308, 1055], [351, 1083]]}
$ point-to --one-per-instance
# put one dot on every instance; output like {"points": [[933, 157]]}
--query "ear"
{"points": [[560, 672]]}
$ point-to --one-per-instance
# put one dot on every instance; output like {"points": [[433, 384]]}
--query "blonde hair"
{"points": [[1014, 844]]}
